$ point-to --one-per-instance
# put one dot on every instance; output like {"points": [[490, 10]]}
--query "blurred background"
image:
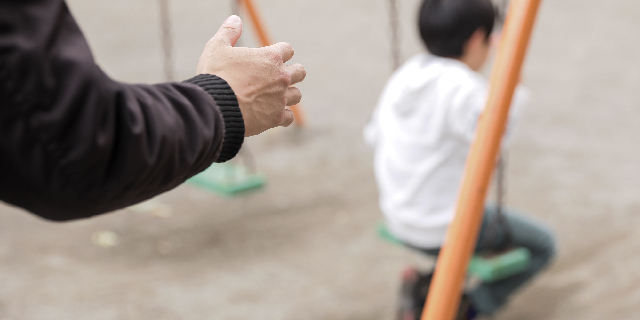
{"points": [[305, 246]]}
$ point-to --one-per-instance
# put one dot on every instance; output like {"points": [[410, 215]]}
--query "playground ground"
{"points": [[305, 246]]}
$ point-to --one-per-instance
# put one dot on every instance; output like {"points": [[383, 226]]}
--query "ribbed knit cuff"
{"points": [[228, 104]]}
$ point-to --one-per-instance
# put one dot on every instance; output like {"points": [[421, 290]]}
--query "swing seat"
{"points": [[497, 266], [488, 268], [383, 232], [227, 179]]}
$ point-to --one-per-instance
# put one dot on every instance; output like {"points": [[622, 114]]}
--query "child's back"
{"points": [[422, 129]]}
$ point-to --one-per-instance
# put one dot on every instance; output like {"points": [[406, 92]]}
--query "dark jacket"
{"points": [[75, 143]]}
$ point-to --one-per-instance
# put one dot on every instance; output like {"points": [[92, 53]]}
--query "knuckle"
{"points": [[278, 117], [283, 116], [273, 56], [284, 78]]}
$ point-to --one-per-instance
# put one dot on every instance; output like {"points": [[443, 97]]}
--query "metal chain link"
{"points": [[500, 220], [235, 7], [167, 41], [503, 6], [501, 195], [396, 55], [489, 241]]}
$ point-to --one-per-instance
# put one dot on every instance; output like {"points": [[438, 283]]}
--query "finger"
{"points": [[284, 49], [288, 118], [293, 96], [229, 32], [297, 72]]}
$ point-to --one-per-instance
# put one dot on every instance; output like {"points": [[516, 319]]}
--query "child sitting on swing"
{"points": [[422, 129]]}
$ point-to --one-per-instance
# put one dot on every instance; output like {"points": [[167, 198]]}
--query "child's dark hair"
{"points": [[446, 25]]}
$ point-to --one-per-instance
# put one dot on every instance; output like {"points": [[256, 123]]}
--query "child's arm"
{"points": [[469, 104]]}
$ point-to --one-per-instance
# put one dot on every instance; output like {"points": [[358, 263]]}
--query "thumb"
{"points": [[229, 32]]}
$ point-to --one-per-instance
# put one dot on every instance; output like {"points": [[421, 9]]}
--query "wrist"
{"points": [[228, 105]]}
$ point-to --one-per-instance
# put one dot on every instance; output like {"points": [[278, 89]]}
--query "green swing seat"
{"points": [[487, 267], [227, 179]]}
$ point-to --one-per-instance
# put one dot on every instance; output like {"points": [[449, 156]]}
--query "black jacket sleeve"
{"points": [[75, 143]]}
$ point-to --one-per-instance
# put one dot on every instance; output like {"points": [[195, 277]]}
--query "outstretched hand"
{"points": [[258, 77]]}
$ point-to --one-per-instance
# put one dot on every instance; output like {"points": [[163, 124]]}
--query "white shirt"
{"points": [[421, 130]]}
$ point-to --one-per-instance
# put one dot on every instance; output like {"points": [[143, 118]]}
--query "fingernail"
{"points": [[232, 19]]}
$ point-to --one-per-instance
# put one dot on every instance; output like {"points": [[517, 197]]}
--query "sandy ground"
{"points": [[305, 247]]}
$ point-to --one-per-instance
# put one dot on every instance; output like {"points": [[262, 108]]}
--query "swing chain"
{"points": [[396, 55], [235, 7], [167, 41], [502, 9], [501, 193], [490, 240], [500, 219]]}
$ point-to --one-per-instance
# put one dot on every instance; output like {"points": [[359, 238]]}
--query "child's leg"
{"points": [[527, 233]]}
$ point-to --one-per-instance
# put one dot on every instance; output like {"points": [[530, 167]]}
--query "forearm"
{"points": [[74, 143]]}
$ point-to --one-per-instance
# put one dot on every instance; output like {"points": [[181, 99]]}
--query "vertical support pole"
{"points": [[451, 269], [265, 40]]}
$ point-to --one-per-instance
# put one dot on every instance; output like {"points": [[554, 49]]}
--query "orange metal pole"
{"points": [[451, 269], [265, 41]]}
